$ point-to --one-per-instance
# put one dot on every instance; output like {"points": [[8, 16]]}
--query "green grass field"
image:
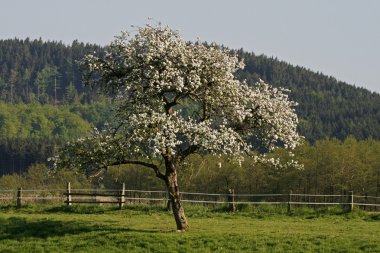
{"points": [[144, 229]]}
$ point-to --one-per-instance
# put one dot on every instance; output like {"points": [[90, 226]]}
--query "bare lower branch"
{"points": [[185, 153], [146, 164]]}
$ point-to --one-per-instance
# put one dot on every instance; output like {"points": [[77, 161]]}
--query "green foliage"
{"points": [[330, 167], [25, 121], [203, 174], [45, 81], [96, 113], [39, 176], [31, 133], [11, 182], [134, 176], [333, 166]]}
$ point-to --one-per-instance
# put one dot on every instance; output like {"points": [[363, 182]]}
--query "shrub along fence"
{"points": [[230, 199]]}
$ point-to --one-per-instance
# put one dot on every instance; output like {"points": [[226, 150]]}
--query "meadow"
{"points": [[45, 228]]}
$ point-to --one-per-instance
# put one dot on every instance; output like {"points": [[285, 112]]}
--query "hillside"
{"points": [[327, 107], [46, 73]]}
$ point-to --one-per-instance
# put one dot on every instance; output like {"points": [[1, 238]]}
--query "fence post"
{"points": [[290, 202], [122, 197], [19, 197], [68, 196], [351, 204], [231, 200]]}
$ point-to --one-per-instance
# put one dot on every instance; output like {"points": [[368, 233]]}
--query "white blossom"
{"points": [[173, 96]]}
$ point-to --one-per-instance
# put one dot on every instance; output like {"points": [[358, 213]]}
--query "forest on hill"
{"points": [[328, 108], [33, 71], [43, 104]]}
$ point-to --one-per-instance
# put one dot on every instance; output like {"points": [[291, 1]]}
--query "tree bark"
{"points": [[174, 197]]}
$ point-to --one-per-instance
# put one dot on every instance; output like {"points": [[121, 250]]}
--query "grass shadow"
{"points": [[373, 217], [21, 228], [7, 208], [101, 209], [82, 209]]}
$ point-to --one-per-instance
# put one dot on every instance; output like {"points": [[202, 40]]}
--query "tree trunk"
{"points": [[174, 197]]}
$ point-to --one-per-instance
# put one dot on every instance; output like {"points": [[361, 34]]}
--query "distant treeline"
{"points": [[331, 167]]}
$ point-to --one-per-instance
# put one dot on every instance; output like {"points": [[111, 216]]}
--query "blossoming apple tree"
{"points": [[173, 98]]}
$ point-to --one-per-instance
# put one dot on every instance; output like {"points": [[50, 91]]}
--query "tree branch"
{"points": [[146, 164], [185, 153], [170, 104]]}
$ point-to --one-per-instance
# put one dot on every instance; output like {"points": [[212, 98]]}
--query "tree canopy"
{"points": [[154, 76]]}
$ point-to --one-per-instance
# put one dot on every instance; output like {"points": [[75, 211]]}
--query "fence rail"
{"points": [[124, 196]]}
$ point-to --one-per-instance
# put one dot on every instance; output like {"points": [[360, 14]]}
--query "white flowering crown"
{"points": [[174, 98]]}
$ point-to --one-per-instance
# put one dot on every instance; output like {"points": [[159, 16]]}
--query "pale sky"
{"points": [[340, 38]]}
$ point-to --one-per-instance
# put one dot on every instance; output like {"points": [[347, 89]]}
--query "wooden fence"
{"points": [[95, 197], [230, 199]]}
